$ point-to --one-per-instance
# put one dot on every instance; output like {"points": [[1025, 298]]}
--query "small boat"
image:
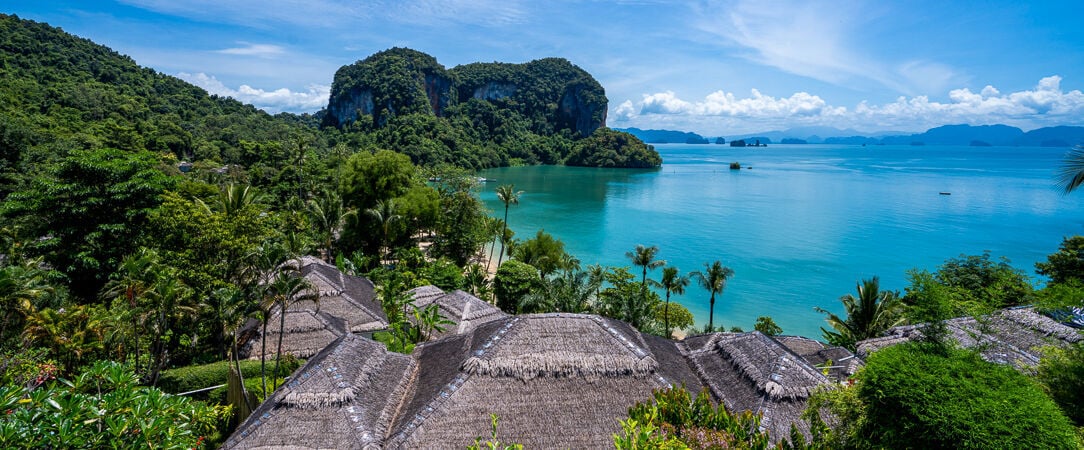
{"points": [[945, 193]]}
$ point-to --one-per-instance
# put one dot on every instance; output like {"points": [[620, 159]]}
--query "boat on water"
{"points": [[944, 193]]}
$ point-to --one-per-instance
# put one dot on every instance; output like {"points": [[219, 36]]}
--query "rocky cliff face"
{"points": [[404, 81]]}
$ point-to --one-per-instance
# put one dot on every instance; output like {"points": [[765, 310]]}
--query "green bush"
{"points": [[104, 407], [673, 419], [191, 378], [253, 385], [921, 396]]}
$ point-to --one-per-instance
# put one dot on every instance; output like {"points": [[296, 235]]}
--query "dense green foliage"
{"points": [[1065, 265], [1061, 372], [102, 407], [673, 419], [915, 398], [190, 378], [869, 314], [978, 285], [609, 148]]}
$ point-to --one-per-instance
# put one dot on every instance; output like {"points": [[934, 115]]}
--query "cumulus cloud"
{"points": [[1044, 105], [274, 101]]}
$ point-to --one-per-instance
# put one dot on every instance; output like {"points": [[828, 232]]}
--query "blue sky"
{"points": [[714, 67]]}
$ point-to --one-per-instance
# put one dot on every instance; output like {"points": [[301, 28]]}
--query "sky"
{"points": [[718, 68]]}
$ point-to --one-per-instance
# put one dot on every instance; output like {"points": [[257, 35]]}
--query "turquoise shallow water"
{"points": [[805, 222]]}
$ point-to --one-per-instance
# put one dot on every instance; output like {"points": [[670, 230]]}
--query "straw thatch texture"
{"points": [[306, 333], [1010, 336], [348, 297], [555, 381], [840, 362], [464, 310], [753, 372], [344, 397]]}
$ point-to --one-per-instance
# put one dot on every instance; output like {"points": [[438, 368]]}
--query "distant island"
{"points": [[962, 135]]}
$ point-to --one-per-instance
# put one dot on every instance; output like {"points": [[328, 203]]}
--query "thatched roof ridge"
{"points": [[539, 373], [464, 310], [774, 369], [840, 362], [349, 297], [344, 397], [307, 332], [1010, 336], [574, 345]]}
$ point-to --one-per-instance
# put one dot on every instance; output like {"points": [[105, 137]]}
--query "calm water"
{"points": [[805, 222]]}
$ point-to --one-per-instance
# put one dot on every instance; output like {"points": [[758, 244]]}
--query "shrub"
{"points": [[674, 419], [191, 378], [952, 398]]}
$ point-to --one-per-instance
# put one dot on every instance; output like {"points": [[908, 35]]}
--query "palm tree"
{"points": [[288, 288], [328, 215], [232, 199], [130, 284], [1071, 174], [494, 228], [714, 280], [596, 274], [508, 195], [868, 315], [645, 258], [672, 282], [385, 212], [20, 285]]}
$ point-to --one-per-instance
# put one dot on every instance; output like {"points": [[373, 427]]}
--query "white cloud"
{"points": [[720, 112], [258, 50], [274, 101], [818, 40]]}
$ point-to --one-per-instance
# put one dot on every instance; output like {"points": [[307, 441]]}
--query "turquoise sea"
{"points": [[801, 224]]}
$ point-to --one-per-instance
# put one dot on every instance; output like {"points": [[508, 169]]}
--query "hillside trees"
{"points": [[89, 211]]}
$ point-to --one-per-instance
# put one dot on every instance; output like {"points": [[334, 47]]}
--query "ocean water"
{"points": [[801, 224]]}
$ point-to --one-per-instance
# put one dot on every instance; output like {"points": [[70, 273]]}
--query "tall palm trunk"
{"points": [[711, 312], [278, 352], [263, 357], [666, 316], [504, 232]]}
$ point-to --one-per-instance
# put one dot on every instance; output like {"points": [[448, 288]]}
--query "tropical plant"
{"points": [[385, 213], [103, 407], [867, 316], [477, 281], [673, 283], [644, 257], [713, 278], [766, 325], [673, 419], [288, 288], [329, 215], [1071, 174], [674, 316], [21, 285], [508, 195]]}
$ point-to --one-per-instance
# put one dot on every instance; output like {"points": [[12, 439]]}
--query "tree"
{"points": [[89, 211], [672, 282], [978, 285], [544, 253], [674, 419], [21, 285], [385, 213], [513, 281], [1061, 372], [288, 288], [625, 299], [868, 315], [372, 177], [766, 325], [645, 257], [914, 398], [713, 279], [673, 317], [1066, 264], [1071, 174], [508, 195], [329, 215]]}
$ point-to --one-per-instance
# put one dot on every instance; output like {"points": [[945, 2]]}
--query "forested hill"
{"points": [[478, 115], [59, 92]]}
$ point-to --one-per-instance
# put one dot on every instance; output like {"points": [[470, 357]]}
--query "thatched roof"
{"points": [[753, 372], [840, 362], [1009, 336], [464, 310], [347, 297], [306, 333], [344, 397], [554, 380]]}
